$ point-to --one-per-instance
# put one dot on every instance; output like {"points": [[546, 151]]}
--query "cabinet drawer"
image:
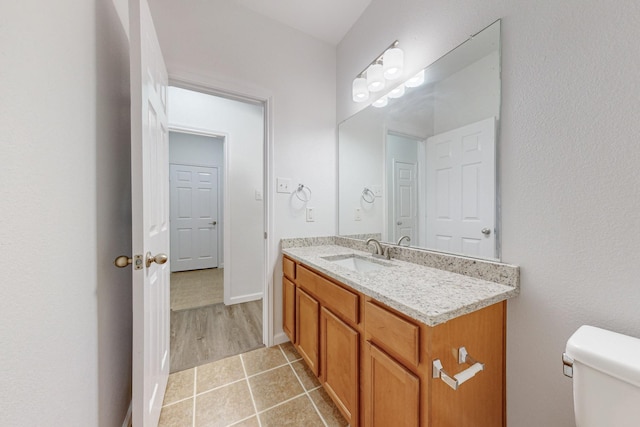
{"points": [[397, 336], [289, 268], [336, 298]]}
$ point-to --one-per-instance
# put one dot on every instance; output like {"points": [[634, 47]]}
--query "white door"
{"points": [[461, 196], [194, 217], [405, 200], [150, 217]]}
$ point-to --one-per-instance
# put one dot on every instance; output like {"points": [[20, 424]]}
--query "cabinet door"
{"points": [[394, 392], [307, 328], [339, 345], [289, 308]]}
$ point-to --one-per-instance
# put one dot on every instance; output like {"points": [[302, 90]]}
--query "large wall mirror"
{"points": [[424, 165]]}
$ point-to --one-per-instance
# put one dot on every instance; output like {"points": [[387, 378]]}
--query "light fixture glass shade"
{"points": [[397, 92], [375, 78], [359, 90], [393, 61], [416, 80], [382, 102]]}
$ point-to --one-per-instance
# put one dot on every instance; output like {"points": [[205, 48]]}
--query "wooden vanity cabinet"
{"points": [[393, 392], [308, 329], [289, 308], [340, 364], [289, 298], [376, 363]]}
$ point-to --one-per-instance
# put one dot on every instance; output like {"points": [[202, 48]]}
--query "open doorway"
{"points": [[216, 147]]}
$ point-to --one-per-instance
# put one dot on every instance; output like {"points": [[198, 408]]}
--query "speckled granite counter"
{"points": [[427, 294]]}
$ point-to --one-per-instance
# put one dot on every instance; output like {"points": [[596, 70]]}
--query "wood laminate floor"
{"points": [[214, 332]]}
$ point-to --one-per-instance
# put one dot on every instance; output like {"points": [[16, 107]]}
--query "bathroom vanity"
{"points": [[399, 343]]}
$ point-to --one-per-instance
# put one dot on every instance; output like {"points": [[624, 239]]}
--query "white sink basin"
{"points": [[357, 263]]}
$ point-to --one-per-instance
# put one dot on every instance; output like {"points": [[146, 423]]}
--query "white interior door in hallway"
{"points": [[194, 217], [405, 200], [150, 217], [461, 195]]}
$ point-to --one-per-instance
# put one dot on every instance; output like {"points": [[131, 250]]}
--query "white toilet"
{"points": [[605, 367]]}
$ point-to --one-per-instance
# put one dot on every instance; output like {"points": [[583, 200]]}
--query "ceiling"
{"points": [[327, 20]]}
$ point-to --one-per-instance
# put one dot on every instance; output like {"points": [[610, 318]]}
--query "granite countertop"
{"points": [[429, 295]]}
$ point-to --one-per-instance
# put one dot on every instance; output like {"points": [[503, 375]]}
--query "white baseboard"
{"points": [[244, 298], [280, 338], [127, 418]]}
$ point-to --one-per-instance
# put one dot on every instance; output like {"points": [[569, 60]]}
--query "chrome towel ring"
{"points": [[303, 193], [368, 196]]}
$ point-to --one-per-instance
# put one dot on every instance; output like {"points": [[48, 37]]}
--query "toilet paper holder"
{"points": [[454, 381]]}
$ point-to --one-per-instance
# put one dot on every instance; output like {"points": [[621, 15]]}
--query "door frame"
{"points": [[252, 96]]}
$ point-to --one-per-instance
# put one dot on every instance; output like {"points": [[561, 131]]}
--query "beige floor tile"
{"points": [[273, 387], [224, 406], [177, 415], [262, 359], [180, 386], [327, 408], [309, 380], [219, 373], [296, 413], [290, 351], [250, 422]]}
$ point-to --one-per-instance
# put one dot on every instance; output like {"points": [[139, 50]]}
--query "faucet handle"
{"points": [[387, 252], [377, 246]]}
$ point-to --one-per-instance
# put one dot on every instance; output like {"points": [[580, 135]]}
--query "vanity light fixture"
{"points": [[360, 91], [387, 66], [393, 60], [416, 80], [397, 92], [382, 102], [375, 78]]}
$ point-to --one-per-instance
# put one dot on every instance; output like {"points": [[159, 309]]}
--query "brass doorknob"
{"points": [[158, 259], [122, 261]]}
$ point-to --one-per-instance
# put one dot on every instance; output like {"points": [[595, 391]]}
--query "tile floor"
{"points": [[262, 388]]}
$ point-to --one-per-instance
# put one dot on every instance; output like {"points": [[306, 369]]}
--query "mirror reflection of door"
{"points": [[402, 168], [460, 188], [406, 218], [194, 217]]}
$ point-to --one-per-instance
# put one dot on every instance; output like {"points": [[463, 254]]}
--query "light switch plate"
{"points": [[258, 195], [358, 215], [283, 185], [311, 215]]}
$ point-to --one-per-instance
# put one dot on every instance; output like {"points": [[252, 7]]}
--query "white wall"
{"points": [[221, 44], [243, 127], [568, 167], [468, 96], [361, 160], [64, 153], [196, 150], [200, 150]]}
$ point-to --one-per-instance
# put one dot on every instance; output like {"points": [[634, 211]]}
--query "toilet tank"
{"points": [[606, 378]]}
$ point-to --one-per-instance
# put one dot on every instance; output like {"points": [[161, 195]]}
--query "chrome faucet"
{"points": [[379, 252], [407, 238]]}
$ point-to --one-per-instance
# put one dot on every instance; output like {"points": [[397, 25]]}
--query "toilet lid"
{"points": [[612, 353]]}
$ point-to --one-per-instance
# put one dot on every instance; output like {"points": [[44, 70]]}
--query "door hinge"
{"points": [[265, 234]]}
